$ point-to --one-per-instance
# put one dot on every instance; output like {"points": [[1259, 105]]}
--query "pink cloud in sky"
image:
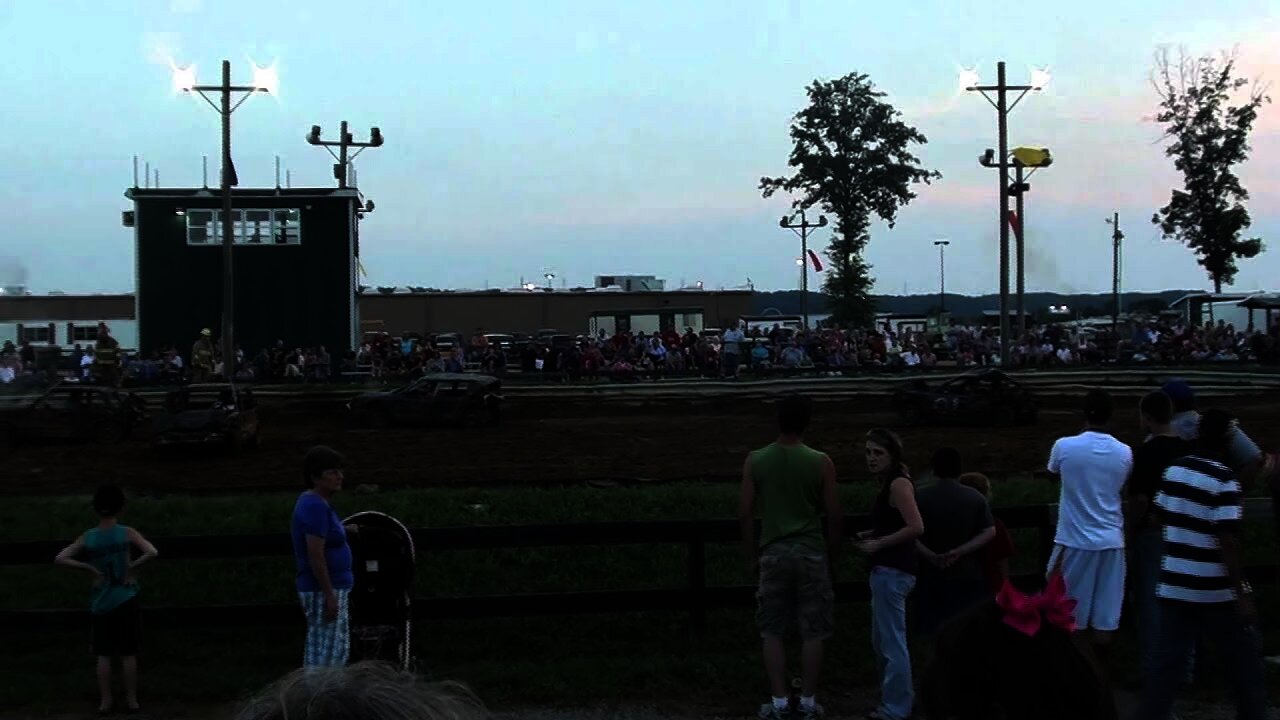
{"points": [[659, 208]]}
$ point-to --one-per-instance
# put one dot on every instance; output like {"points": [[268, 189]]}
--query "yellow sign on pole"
{"points": [[1032, 156]]}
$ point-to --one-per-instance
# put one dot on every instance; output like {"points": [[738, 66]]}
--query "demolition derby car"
{"points": [[70, 412], [202, 414], [451, 399], [981, 397]]}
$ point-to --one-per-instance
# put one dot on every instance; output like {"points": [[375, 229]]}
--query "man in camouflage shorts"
{"points": [[792, 486]]}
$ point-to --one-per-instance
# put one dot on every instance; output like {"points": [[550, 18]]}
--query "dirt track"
{"points": [[550, 442]]}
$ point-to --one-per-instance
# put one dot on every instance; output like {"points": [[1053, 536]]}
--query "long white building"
{"points": [[66, 320]]}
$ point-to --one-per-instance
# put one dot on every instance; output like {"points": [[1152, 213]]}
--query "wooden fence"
{"points": [[696, 597]]}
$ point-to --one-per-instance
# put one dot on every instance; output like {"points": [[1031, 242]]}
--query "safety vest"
{"points": [[202, 355]]}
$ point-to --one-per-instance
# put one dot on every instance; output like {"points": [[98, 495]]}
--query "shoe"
{"points": [[814, 713], [770, 712]]}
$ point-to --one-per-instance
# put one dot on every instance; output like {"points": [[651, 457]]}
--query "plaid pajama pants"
{"points": [[328, 643]]}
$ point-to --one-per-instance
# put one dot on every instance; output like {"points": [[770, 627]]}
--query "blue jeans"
{"points": [[1181, 625], [1148, 549], [889, 591]]}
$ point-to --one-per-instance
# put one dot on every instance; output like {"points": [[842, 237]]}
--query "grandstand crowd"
{"points": [[670, 353]]}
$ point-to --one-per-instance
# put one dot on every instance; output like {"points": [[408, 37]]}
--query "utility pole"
{"points": [[264, 80], [1003, 107], [802, 229], [942, 277], [357, 212], [1019, 186], [344, 141], [1116, 238], [228, 232]]}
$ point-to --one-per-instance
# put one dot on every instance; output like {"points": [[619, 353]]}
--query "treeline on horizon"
{"points": [[787, 302]]}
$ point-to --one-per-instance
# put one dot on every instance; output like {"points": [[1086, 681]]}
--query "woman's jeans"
{"points": [[889, 591]]}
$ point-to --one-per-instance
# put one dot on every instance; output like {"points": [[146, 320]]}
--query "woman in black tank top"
{"points": [[891, 548]]}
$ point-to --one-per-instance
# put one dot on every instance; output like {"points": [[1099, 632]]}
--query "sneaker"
{"points": [[769, 712], [814, 713]]}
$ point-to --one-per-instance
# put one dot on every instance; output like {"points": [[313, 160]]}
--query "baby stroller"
{"points": [[381, 603]]}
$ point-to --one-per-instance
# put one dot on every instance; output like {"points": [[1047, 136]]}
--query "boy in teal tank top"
{"points": [[113, 599], [793, 487]]}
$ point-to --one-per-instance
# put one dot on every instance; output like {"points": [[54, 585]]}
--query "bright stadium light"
{"points": [[266, 79], [184, 78], [1039, 78]]}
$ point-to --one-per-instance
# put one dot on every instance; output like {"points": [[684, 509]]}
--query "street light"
{"points": [[969, 80], [265, 80], [344, 141], [802, 229], [942, 276]]}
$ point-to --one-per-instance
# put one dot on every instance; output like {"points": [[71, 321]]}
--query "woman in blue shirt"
{"points": [[323, 561]]}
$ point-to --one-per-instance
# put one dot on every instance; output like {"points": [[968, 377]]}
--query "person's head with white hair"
{"points": [[362, 691]]}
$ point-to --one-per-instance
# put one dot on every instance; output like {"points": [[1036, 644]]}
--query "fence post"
{"points": [[698, 581]]}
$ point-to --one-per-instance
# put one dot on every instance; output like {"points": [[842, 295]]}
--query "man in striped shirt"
{"points": [[1202, 589]]}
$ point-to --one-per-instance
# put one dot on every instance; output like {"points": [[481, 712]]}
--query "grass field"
{"points": [[453, 573], [651, 658]]}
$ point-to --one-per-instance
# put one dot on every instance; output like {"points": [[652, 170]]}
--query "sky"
{"points": [[587, 138]]}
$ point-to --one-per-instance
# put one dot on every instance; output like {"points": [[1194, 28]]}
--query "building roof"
{"points": [[1262, 301], [25, 308], [137, 194], [1209, 297]]}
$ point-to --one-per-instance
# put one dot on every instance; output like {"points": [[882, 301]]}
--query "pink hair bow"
{"points": [[1025, 613]]}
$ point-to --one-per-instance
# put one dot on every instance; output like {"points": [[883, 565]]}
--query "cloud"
{"points": [[185, 7], [621, 209]]}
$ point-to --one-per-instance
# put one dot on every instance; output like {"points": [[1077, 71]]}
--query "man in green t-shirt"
{"points": [[792, 486]]}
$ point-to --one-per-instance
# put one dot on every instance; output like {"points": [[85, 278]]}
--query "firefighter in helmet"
{"points": [[202, 357], [106, 357]]}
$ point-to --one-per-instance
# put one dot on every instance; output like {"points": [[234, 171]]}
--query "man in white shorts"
{"points": [[1089, 546]]}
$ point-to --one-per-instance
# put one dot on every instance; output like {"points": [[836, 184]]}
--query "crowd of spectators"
{"points": [[670, 353]]}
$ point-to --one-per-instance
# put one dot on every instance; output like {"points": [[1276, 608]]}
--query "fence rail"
{"points": [[1212, 379], [695, 597]]}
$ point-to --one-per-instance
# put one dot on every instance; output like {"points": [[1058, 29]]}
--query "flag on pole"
{"points": [[817, 264]]}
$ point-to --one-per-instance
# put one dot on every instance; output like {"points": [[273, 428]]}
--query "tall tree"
{"points": [[1208, 136], [852, 157]]}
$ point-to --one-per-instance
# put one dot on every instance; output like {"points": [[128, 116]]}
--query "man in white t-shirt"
{"points": [[1089, 546]]}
